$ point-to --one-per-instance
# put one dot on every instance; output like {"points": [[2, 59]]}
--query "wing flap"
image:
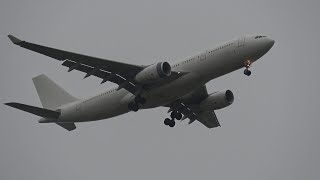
{"points": [[183, 109], [193, 112], [101, 74]]}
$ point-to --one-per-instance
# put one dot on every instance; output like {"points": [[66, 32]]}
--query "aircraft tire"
{"points": [[178, 116], [172, 123], [133, 106], [167, 121], [247, 72]]}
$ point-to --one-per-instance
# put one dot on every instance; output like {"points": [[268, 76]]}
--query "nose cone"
{"points": [[261, 45], [269, 43]]}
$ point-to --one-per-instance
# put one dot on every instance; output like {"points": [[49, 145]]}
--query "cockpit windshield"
{"points": [[257, 37]]}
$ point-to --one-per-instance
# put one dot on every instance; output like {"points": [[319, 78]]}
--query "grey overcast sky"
{"points": [[270, 132]]}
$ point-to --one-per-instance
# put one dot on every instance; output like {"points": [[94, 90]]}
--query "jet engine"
{"points": [[153, 73], [217, 100]]}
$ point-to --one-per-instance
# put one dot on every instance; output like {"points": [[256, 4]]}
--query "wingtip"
{"points": [[14, 40], [11, 104]]}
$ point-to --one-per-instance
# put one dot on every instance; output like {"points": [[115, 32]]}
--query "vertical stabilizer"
{"points": [[51, 94]]}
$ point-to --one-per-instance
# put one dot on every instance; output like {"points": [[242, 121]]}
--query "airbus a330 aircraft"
{"points": [[180, 85]]}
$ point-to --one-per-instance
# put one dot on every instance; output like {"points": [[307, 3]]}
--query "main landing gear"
{"points": [[247, 64], [173, 115], [134, 106]]}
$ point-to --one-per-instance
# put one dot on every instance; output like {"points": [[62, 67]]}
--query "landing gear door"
{"points": [[241, 42]]}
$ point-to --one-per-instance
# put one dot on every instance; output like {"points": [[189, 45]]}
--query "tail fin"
{"points": [[51, 94]]}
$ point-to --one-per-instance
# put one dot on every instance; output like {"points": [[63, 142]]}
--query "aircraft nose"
{"points": [[269, 44]]}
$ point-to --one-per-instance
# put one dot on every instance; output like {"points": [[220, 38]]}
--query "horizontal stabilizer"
{"points": [[68, 126], [35, 110]]}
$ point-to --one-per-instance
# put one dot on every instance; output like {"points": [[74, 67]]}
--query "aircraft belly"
{"points": [[167, 93], [219, 65], [116, 103], [109, 106]]}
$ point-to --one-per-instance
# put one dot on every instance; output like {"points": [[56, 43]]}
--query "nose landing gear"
{"points": [[247, 72], [247, 64], [173, 115]]}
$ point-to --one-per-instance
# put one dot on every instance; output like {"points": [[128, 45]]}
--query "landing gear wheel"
{"points": [[247, 72], [172, 123], [167, 121], [133, 106], [176, 115], [173, 114], [140, 100]]}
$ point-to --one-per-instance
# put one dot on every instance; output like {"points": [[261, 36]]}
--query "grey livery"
{"points": [[179, 86]]}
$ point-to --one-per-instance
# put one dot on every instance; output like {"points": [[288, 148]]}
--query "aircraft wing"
{"points": [[189, 107], [209, 119], [193, 112], [116, 72], [108, 70], [67, 126]]}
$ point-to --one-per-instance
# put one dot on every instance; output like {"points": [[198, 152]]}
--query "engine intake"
{"points": [[217, 100], [154, 73]]}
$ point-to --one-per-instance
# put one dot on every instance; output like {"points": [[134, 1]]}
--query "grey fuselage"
{"points": [[199, 69]]}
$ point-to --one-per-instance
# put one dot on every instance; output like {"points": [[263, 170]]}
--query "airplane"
{"points": [[179, 86]]}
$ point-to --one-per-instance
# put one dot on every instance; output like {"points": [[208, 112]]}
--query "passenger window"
{"points": [[257, 37]]}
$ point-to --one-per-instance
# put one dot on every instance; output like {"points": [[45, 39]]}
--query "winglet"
{"points": [[14, 39]]}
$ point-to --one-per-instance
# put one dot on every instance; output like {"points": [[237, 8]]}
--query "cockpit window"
{"points": [[257, 37]]}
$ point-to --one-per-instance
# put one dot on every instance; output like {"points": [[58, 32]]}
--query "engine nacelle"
{"points": [[217, 100], [153, 73]]}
